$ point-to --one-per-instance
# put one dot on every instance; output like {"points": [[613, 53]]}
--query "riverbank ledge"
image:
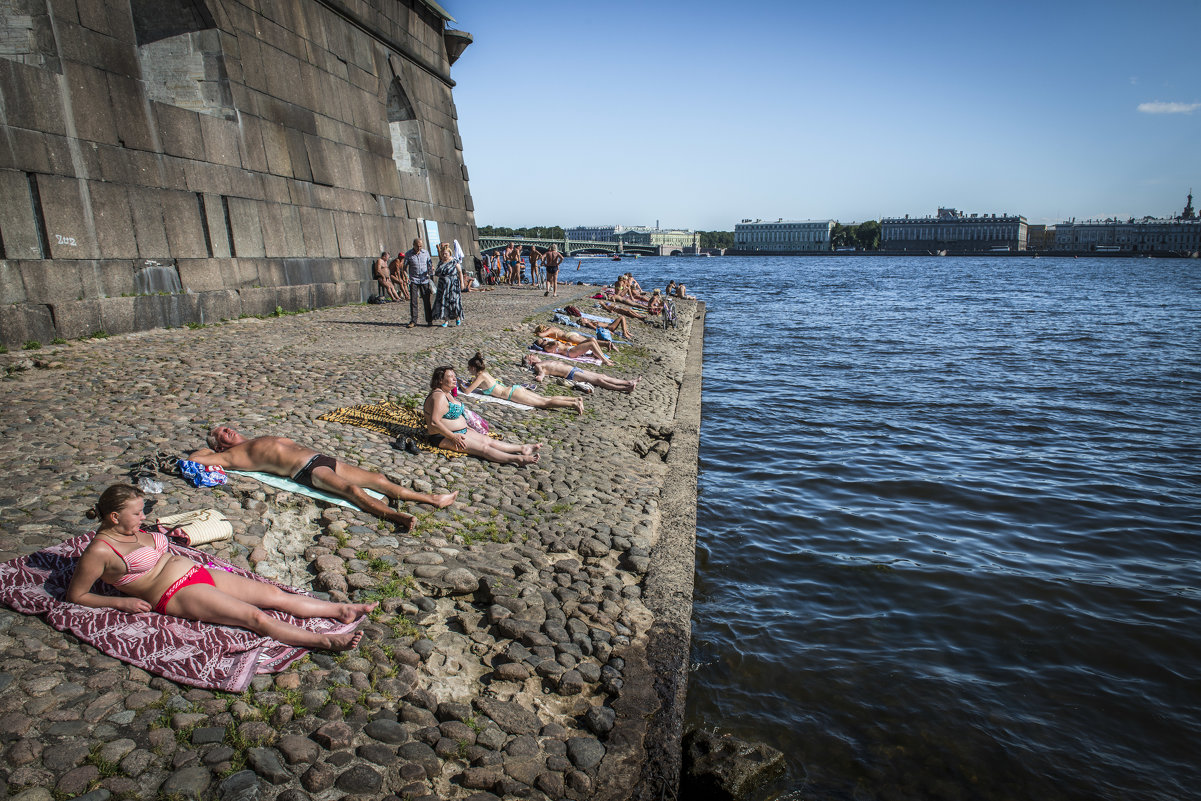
{"points": [[531, 639]]}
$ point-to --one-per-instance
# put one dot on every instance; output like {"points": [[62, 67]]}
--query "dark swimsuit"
{"points": [[454, 411], [305, 474]]}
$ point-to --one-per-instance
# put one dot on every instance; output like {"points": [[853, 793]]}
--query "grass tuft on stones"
{"points": [[107, 769]]}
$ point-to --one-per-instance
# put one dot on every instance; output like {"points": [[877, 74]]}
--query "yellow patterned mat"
{"points": [[391, 419]]}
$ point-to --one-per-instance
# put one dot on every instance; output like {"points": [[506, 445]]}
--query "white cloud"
{"points": [[1159, 107]]}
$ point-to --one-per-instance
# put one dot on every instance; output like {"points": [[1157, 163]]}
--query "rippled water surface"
{"points": [[948, 536]]}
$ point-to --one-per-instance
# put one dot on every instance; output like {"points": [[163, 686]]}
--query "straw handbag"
{"points": [[199, 527]]}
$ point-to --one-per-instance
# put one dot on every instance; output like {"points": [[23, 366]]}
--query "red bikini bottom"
{"points": [[197, 575]]}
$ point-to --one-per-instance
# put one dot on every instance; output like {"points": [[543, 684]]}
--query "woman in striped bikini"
{"points": [[138, 564], [484, 384]]}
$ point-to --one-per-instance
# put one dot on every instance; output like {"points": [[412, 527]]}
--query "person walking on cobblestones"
{"points": [[449, 302], [553, 259], [417, 263]]}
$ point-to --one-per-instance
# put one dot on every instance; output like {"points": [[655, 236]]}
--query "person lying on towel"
{"points": [[483, 383], [137, 563], [616, 326], [571, 337], [283, 457], [542, 369], [588, 350]]}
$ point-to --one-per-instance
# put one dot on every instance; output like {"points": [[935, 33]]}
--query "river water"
{"points": [[949, 527]]}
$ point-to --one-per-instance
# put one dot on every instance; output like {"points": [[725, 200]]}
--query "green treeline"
{"points": [[717, 239], [865, 236], [535, 232]]}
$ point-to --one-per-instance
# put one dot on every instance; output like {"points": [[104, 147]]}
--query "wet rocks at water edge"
{"points": [[721, 767]]}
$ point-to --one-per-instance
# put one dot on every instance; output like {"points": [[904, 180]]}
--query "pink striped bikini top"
{"points": [[141, 560]]}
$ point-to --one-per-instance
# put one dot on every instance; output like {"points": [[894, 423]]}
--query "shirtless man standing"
{"points": [[552, 261], [542, 370], [535, 274], [283, 457]]}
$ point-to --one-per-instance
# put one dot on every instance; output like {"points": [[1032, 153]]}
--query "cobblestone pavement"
{"points": [[509, 624]]}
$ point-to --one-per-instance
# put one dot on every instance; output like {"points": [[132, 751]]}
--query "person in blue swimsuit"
{"points": [[447, 428], [517, 394]]}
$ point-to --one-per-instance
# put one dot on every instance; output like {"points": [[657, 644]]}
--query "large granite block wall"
{"points": [[174, 161]]}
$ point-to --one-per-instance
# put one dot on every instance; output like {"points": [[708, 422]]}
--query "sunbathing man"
{"points": [[543, 369], [283, 457]]}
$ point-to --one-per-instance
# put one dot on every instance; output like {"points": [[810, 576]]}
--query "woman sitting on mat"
{"points": [[655, 304], [138, 564], [447, 428], [571, 351], [495, 389], [627, 289]]}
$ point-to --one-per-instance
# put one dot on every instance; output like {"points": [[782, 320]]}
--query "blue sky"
{"points": [[700, 114]]}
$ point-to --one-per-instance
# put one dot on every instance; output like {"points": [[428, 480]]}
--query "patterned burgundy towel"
{"points": [[189, 652]]}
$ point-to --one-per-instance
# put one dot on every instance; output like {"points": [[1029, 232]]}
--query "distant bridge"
{"points": [[568, 247]]}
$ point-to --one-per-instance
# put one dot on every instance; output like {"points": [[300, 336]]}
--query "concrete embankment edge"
{"points": [[658, 705]]}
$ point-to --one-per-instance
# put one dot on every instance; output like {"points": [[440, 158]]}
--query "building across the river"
{"points": [[1176, 235], [952, 231], [1040, 237], [782, 236]]}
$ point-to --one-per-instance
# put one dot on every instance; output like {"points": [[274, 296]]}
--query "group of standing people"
{"points": [[435, 288], [508, 267]]}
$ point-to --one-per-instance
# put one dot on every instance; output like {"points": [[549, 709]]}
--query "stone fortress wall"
{"points": [[165, 162]]}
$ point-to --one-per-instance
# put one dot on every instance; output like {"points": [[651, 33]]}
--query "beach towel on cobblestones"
{"points": [[583, 359], [502, 401], [288, 485], [391, 419], [186, 651]]}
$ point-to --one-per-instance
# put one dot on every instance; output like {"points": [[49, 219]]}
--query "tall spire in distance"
{"points": [[1189, 214]]}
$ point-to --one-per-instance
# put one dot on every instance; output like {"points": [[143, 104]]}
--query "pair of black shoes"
{"points": [[407, 444]]}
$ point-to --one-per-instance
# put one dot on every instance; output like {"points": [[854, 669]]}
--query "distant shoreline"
{"points": [[1020, 254]]}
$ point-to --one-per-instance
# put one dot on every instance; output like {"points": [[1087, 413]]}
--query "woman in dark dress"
{"points": [[449, 303]]}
